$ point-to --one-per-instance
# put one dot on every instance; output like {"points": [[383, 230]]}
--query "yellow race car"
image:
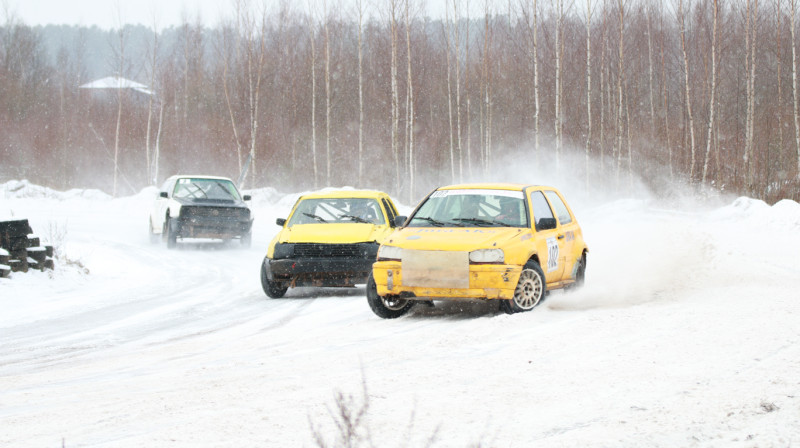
{"points": [[330, 238], [505, 242]]}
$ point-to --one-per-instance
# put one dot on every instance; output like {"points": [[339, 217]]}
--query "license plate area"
{"points": [[436, 268]]}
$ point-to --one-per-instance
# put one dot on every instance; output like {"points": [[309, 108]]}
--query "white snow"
{"points": [[687, 333]]}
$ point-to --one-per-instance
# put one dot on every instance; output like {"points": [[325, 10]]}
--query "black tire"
{"points": [[274, 290], [387, 308], [580, 273], [172, 233], [247, 240], [530, 291]]}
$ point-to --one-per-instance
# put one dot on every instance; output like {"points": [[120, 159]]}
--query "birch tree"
{"points": [[589, 11], [795, 110], [687, 89], [713, 91], [449, 93], [750, 49], [409, 106], [360, 12], [153, 95]]}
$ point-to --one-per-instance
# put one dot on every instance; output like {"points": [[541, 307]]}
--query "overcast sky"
{"points": [[108, 13]]}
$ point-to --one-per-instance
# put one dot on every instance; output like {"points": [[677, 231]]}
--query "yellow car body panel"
{"points": [[558, 251]]}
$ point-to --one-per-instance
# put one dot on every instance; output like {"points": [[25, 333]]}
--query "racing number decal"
{"points": [[552, 254]]}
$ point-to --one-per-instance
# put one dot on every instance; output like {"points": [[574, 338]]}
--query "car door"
{"points": [[567, 227], [160, 206], [549, 244]]}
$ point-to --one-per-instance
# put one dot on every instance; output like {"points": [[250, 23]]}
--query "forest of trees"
{"points": [[377, 95]]}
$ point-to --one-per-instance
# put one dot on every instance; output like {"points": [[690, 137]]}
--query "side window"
{"points": [[390, 212], [542, 214], [560, 208], [167, 186]]}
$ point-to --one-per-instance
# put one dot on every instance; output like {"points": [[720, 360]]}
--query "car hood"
{"points": [[343, 233], [454, 238], [210, 202]]}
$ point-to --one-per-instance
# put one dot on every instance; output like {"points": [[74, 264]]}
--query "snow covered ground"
{"points": [[686, 334]]}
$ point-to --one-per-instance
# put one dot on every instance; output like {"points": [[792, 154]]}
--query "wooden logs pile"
{"points": [[20, 250]]}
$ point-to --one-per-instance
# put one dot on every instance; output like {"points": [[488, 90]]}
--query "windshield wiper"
{"points": [[478, 221], [318, 218], [430, 220], [357, 219]]}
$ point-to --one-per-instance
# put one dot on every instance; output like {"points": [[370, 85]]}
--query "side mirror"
{"points": [[400, 220], [546, 224], [246, 197], [163, 194], [280, 221]]}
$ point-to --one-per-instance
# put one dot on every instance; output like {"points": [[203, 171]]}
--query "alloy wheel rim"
{"points": [[529, 290]]}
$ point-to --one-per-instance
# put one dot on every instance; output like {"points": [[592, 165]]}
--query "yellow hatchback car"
{"points": [[331, 238], [505, 242]]}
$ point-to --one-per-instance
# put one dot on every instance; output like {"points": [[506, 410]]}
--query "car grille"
{"points": [[312, 250], [214, 212]]}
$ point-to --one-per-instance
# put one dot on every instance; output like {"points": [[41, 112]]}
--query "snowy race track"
{"points": [[687, 334]]}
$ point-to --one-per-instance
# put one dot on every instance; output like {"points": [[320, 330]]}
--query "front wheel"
{"points": [[172, 233], [274, 290], [530, 291], [385, 307]]}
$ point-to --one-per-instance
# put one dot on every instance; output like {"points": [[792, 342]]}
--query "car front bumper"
{"points": [[207, 227], [475, 281]]}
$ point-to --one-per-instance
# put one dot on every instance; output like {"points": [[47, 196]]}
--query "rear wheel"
{"points": [[274, 290], [385, 307], [530, 290], [580, 272]]}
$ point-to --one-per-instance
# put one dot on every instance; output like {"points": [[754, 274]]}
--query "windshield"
{"points": [[337, 210], [472, 208], [202, 189]]}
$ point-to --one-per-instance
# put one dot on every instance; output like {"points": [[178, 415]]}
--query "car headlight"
{"points": [[390, 253], [487, 256], [283, 250]]}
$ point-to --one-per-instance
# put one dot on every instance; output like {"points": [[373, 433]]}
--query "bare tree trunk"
{"points": [[795, 109], [588, 149], [487, 86], [558, 52], [449, 96], [158, 137], [665, 96], [750, 48], [395, 97], [457, 17], [713, 91], [120, 74], [360, 6], [603, 87], [650, 72], [687, 89], [224, 55], [536, 78], [409, 108], [328, 156], [153, 65], [314, 100], [467, 93], [620, 76]]}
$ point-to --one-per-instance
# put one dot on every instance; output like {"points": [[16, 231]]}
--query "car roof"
{"points": [[487, 186], [198, 176], [342, 194]]}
